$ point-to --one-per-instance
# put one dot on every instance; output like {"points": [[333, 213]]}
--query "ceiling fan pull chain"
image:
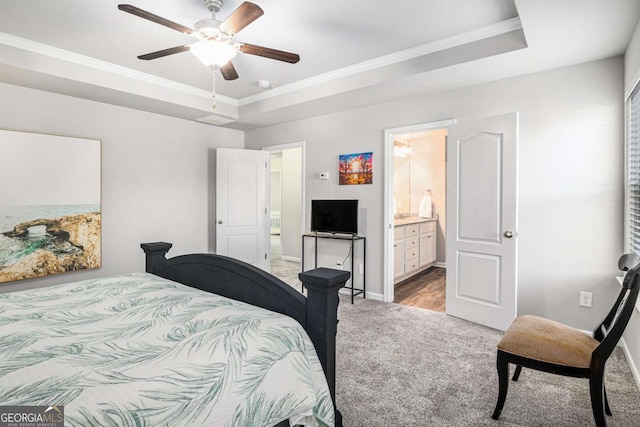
{"points": [[213, 92]]}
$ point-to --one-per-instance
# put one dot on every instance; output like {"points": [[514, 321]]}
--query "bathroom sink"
{"points": [[410, 220]]}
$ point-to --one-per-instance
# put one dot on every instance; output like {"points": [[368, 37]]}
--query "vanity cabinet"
{"points": [[427, 243], [411, 248], [414, 248]]}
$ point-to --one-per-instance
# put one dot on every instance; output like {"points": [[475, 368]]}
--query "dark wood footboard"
{"points": [[317, 312]]}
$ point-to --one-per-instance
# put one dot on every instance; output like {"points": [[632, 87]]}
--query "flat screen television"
{"points": [[334, 216]]}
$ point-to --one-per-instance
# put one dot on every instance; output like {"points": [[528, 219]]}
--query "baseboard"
{"points": [[291, 258], [440, 264], [375, 296], [631, 362], [370, 295]]}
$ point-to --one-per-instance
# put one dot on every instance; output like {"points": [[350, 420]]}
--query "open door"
{"points": [[242, 193], [482, 171]]}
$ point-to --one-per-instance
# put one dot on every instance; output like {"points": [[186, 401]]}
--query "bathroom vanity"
{"points": [[414, 246]]}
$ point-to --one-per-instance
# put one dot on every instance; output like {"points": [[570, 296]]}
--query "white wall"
{"points": [[571, 188], [156, 171]]}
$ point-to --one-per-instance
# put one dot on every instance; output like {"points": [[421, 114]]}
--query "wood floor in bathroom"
{"points": [[425, 290]]}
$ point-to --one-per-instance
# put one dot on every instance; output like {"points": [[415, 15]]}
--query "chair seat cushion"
{"points": [[548, 341]]}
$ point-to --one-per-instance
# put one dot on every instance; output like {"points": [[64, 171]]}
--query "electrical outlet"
{"points": [[360, 268], [586, 299], [338, 265]]}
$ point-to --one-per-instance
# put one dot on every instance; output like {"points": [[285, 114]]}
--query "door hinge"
{"points": [[265, 256]]}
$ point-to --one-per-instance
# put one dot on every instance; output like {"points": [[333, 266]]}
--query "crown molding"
{"points": [[499, 28], [492, 30], [86, 61]]}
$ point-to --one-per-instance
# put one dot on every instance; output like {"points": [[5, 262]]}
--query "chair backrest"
{"points": [[628, 261], [610, 330]]}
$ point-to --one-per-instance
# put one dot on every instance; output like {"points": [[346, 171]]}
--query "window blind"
{"points": [[633, 169]]}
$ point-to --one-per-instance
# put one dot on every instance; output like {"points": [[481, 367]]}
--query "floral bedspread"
{"points": [[139, 350]]}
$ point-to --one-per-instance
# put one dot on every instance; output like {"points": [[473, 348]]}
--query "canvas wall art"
{"points": [[50, 214], [356, 169]]}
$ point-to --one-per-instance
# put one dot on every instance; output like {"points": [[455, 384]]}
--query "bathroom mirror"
{"points": [[402, 185]]}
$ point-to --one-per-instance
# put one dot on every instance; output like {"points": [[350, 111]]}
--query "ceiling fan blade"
{"points": [[266, 52], [229, 71], [164, 52], [244, 15], [154, 18]]}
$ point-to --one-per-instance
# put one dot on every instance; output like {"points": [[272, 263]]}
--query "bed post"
{"points": [[323, 285], [155, 254]]}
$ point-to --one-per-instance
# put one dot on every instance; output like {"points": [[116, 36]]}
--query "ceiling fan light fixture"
{"points": [[210, 28], [215, 48], [212, 53]]}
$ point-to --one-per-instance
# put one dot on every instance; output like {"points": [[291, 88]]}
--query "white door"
{"points": [[482, 172], [242, 192]]}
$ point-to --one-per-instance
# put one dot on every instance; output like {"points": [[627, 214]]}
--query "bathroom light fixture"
{"points": [[401, 148]]}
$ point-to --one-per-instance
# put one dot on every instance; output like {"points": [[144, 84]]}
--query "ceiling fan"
{"points": [[214, 46]]}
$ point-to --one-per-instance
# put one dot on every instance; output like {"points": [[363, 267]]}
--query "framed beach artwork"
{"points": [[355, 169], [50, 221]]}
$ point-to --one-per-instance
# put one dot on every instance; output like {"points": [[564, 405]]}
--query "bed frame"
{"points": [[317, 312]]}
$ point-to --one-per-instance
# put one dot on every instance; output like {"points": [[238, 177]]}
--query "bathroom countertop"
{"points": [[411, 220]]}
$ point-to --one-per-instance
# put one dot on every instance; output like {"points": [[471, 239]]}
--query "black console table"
{"points": [[344, 237]]}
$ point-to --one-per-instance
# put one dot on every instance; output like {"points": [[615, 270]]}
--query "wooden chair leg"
{"points": [[516, 374], [607, 409], [503, 384], [596, 389]]}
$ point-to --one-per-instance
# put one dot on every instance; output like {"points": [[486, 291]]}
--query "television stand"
{"points": [[342, 237]]}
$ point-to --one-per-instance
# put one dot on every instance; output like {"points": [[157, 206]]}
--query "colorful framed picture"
{"points": [[50, 216], [355, 169]]}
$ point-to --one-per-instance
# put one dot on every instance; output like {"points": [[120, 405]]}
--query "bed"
{"points": [[196, 340]]}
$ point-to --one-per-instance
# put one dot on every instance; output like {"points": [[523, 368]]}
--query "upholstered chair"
{"points": [[538, 343]]}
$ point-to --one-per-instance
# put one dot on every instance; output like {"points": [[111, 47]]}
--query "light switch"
{"points": [[324, 175]]}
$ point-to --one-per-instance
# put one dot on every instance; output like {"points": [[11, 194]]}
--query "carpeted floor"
{"points": [[401, 366], [406, 366]]}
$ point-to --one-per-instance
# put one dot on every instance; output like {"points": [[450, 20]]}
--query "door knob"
{"points": [[219, 221], [508, 234]]}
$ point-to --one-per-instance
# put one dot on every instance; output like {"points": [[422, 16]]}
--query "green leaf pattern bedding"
{"points": [[139, 350]]}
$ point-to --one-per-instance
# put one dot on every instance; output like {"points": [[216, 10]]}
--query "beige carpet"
{"points": [[406, 366], [401, 366]]}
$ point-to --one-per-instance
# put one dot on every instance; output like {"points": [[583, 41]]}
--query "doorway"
{"points": [[286, 211], [419, 214], [481, 192]]}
